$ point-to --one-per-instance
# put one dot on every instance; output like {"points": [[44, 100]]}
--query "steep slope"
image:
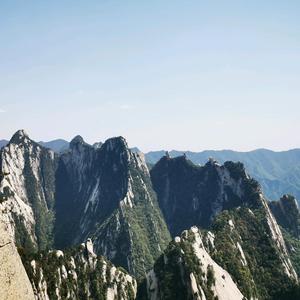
{"points": [[242, 257], [105, 193], [30, 180], [287, 214], [77, 273], [193, 195], [14, 283], [187, 271], [250, 245], [248, 241], [277, 172]]}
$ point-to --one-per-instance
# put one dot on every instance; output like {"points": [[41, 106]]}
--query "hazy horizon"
{"points": [[165, 75], [152, 150]]}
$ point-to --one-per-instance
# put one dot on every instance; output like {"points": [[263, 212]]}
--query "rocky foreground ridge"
{"points": [[77, 273]]}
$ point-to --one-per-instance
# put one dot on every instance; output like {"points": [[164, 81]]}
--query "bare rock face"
{"points": [[14, 282], [193, 195], [106, 192], [30, 171]]}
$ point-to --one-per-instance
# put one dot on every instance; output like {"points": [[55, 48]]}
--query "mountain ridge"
{"points": [[226, 241], [102, 192], [277, 172]]}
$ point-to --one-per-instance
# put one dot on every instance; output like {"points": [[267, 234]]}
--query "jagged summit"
{"points": [[77, 140], [106, 193], [290, 200], [212, 162], [287, 214], [21, 132], [116, 144], [19, 137], [193, 195], [112, 144], [185, 160], [29, 189], [168, 160]]}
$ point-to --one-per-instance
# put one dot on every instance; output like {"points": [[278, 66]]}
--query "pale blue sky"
{"points": [[164, 74]]}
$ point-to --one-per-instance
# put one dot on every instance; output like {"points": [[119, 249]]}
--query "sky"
{"points": [[187, 75]]}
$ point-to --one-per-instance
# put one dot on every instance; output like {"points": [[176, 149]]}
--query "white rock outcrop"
{"points": [[14, 283]]}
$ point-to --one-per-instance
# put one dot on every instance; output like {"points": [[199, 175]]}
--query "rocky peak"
{"points": [[193, 195], [212, 162], [289, 201], [76, 142], [287, 214], [106, 194], [89, 247], [30, 172], [19, 136], [116, 144]]}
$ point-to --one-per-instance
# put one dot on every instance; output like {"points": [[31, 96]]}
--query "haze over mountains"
{"points": [[93, 222]]}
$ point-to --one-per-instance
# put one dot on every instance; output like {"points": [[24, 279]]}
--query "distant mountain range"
{"points": [[3, 143], [57, 145]]}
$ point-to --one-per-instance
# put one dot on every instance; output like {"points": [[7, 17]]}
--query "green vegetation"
{"points": [[173, 271], [169, 274], [149, 232], [260, 275], [138, 234], [264, 275], [130, 232], [22, 237], [293, 245], [81, 279], [6, 191], [193, 265], [134, 234]]}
